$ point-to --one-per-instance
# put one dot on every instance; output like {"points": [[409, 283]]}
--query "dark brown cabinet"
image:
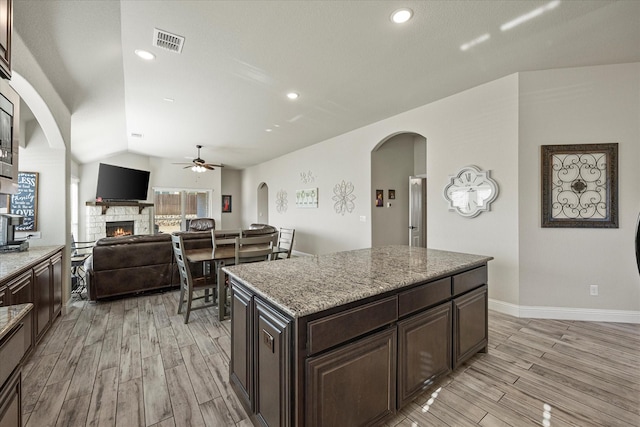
{"points": [[241, 366], [353, 385], [424, 351], [470, 325], [6, 31], [11, 401], [21, 292], [272, 371], [56, 284], [355, 364], [43, 298]]}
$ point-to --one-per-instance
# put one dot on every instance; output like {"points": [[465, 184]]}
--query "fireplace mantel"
{"points": [[107, 205]]}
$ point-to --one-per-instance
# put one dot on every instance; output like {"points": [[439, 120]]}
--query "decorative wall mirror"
{"points": [[470, 191]]}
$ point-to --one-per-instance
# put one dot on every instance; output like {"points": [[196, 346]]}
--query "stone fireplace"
{"points": [[98, 218]]}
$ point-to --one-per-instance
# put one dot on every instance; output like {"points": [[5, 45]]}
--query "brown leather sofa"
{"points": [[133, 264]]}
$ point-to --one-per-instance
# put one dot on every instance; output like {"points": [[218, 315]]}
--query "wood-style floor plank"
{"points": [[133, 362]]}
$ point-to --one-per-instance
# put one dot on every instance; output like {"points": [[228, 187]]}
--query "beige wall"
{"points": [[579, 106], [232, 185]]}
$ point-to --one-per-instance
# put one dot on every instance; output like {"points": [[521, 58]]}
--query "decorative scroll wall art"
{"points": [[281, 201], [307, 198], [580, 185], [343, 197], [307, 177], [470, 192]]}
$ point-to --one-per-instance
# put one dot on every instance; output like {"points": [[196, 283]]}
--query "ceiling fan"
{"points": [[199, 165]]}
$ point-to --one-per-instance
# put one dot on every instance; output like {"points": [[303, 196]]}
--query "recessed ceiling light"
{"points": [[136, 135], [277, 126], [145, 54], [268, 130], [168, 99], [293, 95], [401, 16]]}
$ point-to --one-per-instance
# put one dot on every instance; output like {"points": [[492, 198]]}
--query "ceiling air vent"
{"points": [[167, 41]]}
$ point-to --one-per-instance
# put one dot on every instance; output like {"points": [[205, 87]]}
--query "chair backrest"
{"points": [[185, 274], [285, 240], [80, 249], [202, 224], [253, 249], [224, 238]]}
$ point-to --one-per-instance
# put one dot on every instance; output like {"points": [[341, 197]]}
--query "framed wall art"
{"points": [[392, 194], [379, 198], [580, 185], [307, 198], [226, 203]]}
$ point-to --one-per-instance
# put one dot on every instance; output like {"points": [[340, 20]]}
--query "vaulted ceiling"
{"points": [[350, 64]]}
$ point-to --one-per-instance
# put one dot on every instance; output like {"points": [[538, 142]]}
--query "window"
{"points": [[175, 207]]}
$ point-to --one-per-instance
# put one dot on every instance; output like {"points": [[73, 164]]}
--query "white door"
{"points": [[417, 211]]}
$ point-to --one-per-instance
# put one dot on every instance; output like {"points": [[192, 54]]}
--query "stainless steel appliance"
{"points": [[7, 233]]}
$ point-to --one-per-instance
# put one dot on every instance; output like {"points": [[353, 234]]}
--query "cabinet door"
{"points": [[11, 402], [240, 366], [354, 385], [21, 292], [470, 325], [272, 346], [56, 284], [43, 298], [424, 351]]}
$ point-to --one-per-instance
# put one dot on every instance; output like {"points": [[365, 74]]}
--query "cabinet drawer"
{"points": [[11, 351], [469, 280], [338, 328], [424, 296]]}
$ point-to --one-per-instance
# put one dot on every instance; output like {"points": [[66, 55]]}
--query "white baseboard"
{"points": [[565, 313]]}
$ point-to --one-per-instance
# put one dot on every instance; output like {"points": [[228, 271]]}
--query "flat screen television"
{"points": [[119, 183]]}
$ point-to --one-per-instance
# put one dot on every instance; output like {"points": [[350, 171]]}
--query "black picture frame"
{"points": [[580, 185], [226, 203], [392, 194], [379, 198]]}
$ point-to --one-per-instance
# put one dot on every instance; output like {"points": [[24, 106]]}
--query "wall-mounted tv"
{"points": [[119, 183]]}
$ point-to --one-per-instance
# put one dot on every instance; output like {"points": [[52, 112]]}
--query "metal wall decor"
{"points": [[281, 201], [343, 197], [307, 177], [307, 198], [470, 191], [580, 185]]}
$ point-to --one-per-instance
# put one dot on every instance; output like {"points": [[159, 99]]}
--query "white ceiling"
{"points": [[351, 65]]}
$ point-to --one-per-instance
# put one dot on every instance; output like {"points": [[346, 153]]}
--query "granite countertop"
{"points": [[306, 285], [11, 316], [12, 262]]}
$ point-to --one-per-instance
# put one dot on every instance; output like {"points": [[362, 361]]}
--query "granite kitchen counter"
{"points": [[306, 285], [15, 262], [11, 316]]}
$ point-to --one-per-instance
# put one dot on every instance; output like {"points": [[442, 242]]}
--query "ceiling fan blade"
{"points": [[207, 166], [214, 164]]}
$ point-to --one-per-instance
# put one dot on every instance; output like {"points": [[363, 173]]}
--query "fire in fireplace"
{"points": [[119, 228]]}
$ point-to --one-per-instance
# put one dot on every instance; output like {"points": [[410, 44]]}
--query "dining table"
{"points": [[223, 256]]}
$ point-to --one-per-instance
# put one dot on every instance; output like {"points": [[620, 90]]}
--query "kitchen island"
{"points": [[351, 337]]}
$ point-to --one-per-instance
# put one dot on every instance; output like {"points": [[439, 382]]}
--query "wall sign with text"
{"points": [[25, 201]]}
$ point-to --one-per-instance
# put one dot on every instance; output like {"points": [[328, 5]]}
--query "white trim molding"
{"points": [[565, 313]]}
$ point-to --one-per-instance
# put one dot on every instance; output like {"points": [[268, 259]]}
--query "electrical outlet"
{"points": [[593, 290], [363, 218]]}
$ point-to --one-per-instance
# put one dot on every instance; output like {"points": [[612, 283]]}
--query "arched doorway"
{"points": [[393, 161], [263, 203]]}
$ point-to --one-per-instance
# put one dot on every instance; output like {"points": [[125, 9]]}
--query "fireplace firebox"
{"points": [[119, 228]]}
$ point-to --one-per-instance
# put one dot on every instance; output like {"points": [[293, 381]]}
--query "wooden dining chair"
{"points": [[254, 249], [189, 284], [285, 241]]}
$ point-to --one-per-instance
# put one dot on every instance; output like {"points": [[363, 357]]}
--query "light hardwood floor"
{"points": [[133, 362]]}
